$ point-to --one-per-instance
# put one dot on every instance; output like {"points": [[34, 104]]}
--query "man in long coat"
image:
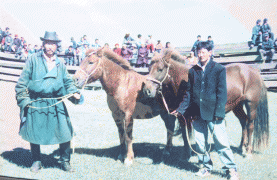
{"points": [[205, 100], [142, 56], [43, 81]]}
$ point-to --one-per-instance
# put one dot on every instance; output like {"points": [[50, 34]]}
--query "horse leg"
{"points": [[128, 131], [251, 110], [243, 118], [186, 130], [120, 126], [169, 121]]}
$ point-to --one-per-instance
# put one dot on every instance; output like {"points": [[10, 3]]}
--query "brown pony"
{"points": [[244, 87], [124, 96]]}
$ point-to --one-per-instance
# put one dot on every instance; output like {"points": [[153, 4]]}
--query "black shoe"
{"points": [[36, 167], [66, 167]]}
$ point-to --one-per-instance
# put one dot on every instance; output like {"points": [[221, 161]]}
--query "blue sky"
{"points": [[178, 22]]}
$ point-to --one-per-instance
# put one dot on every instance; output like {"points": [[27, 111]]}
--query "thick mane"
{"points": [[112, 56], [176, 56]]}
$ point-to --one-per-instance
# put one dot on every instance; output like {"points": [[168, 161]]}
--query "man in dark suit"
{"points": [[205, 101]]}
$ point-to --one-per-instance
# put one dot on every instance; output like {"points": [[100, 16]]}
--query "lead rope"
{"points": [[187, 134]]}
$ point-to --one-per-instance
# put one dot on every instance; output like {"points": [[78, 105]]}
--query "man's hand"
{"points": [[77, 95], [175, 113], [260, 33]]}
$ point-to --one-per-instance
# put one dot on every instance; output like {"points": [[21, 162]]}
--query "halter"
{"points": [[160, 86], [88, 75]]}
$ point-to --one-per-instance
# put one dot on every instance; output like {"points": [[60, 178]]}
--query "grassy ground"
{"points": [[96, 143]]}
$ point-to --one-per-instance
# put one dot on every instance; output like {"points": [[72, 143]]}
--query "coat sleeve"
{"points": [[22, 94], [71, 87], [186, 98], [221, 94]]}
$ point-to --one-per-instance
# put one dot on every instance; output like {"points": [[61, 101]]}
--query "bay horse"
{"points": [[245, 87], [124, 96]]}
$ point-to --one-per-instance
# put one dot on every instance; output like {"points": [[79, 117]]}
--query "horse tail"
{"points": [[261, 123]]}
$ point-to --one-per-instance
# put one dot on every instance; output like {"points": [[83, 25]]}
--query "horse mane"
{"points": [[112, 56], [176, 56]]}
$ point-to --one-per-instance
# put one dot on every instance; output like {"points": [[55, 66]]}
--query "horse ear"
{"points": [[100, 52], [167, 55]]}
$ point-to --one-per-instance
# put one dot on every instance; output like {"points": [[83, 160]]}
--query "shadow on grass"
{"points": [[23, 157]]}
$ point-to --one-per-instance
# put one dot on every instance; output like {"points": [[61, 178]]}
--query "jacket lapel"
{"points": [[209, 67]]}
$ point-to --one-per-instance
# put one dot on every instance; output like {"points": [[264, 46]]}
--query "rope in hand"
{"points": [[187, 134]]}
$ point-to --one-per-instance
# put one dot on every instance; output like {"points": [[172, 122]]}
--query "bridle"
{"points": [[160, 83], [88, 75]]}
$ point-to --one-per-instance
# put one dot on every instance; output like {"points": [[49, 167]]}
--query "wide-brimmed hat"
{"points": [[50, 36]]}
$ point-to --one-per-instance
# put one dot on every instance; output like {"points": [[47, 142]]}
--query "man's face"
{"points": [[199, 38], [209, 39], [50, 47], [204, 55], [85, 37], [266, 38], [96, 42], [116, 46]]}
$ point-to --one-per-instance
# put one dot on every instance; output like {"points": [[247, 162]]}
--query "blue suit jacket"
{"points": [[207, 94]]}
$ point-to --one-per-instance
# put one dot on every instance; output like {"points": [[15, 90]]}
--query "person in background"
{"points": [[117, 49], [5, 34], [150, 44], [73, 43], [267, 48], [256, 34], [194, 47], [1, 36], [96, 44], [266, 29], [142, 56], [107, 46], [81, 42], [8, 43], [22, 41], [126, 53], [44, 77], [211, 44], [167, 45], [78, 53], [16, 42], [139, 41], [159, 46], [128, 40], [85, 40], [70, 54]]}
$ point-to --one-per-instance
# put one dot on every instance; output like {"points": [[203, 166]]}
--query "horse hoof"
{"points": [[128, 162]]}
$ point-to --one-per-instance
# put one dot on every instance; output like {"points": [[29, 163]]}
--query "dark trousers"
{"points": [[64, 152]]}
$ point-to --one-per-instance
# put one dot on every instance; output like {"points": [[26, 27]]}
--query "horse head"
{"points": [[90, 69], [158, 73]]}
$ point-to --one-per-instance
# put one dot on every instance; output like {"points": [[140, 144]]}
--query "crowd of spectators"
{"points": [[138, 51], [10, 43], [263, 36]]}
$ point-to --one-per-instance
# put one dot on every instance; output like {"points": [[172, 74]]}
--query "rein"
{"points": [[160, 86], [187, 134]]}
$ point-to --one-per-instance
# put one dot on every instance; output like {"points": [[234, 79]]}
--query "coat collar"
{"points": [[54, 72]]}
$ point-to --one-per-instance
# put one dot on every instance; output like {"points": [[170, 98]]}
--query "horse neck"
{"points": [[178, 72], [111, 76]]}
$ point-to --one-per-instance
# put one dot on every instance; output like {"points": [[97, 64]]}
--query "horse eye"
{"points": [[160, 70], [90, 62]]}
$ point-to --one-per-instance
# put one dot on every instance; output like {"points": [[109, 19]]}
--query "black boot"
{"points": [[35, 150], [65, 157]]}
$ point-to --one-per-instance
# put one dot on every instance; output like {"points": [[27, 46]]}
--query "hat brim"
{"points": [[43, 39]]}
